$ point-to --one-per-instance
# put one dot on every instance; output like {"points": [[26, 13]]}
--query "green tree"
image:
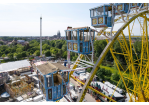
{"points": [[54, 50], [19, 55], [10, 55], [64, 54], [15, 55], [2, 43], [108, 73], [121, 85], [64, 47], [26, 47], [89, 70], [101, 73], [3, 55], [116, 76], [46, 47], [7, 51], [24, 54], [48, 53], [37, 53], [19, 50]]}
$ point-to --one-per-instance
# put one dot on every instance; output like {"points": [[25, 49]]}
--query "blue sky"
{"points": [[23, 19]]}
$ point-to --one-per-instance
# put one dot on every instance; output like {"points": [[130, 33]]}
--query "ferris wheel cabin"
{"points": [[144, 4], [79, 39], [122, 7], [51, 83], [133, 5], [101, 16]]}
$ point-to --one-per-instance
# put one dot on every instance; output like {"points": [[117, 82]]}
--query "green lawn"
{"points": [[112, 69]]}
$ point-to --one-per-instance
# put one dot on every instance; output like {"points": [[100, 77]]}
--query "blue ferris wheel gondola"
{"points": [[79, 39], [101, 16], [51, 83]]}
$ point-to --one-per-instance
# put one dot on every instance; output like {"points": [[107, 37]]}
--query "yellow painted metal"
{"points": [[77, 80], [140, 81], [57, 100], [75, 65]]}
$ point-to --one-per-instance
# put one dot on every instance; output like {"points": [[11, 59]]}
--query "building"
{"points": [[21, 66], [109, 91], [113, 87], [58, 34], [23, 42]]}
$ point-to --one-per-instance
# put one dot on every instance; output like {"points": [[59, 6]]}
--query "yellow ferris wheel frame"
{"points": [[100, 59]]}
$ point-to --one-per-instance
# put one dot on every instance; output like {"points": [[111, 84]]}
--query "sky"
{"points": [[23, 19]]}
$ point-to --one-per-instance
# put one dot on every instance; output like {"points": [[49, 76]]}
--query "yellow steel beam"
{"points": [[146, 31], [75, 65], [120, 53], [77, 80]]}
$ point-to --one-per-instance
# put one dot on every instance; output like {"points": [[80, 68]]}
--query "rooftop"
{"points": [[48, 67], [108, 89], [10, 66]]}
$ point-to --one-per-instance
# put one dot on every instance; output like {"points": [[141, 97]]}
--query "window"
{"points": [[92, 13], [69, 35], [88, 47], [49, 81], [64, 89], [81, 47], [50, 93], [105, 20], [100, 11], [86, 36], [106, 10], [57, 91], [81, 35], [74, 35], [66, 36], [65, 76], [109, 13]]}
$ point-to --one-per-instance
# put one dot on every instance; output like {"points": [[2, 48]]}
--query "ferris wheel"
{"points": [[135, 24]]}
